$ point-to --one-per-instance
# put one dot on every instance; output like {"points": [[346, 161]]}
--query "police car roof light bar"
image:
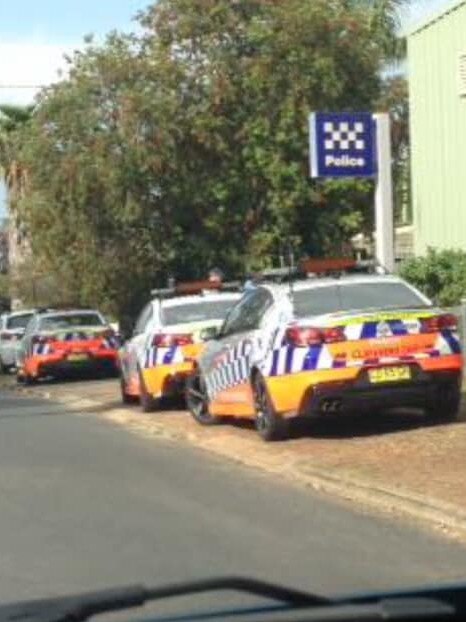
{"points": [[334, 264], [195, 287], [321, 267], [280, 275]]}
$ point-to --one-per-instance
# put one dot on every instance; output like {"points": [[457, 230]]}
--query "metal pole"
{"points": [[384, 234], [463, 321]]}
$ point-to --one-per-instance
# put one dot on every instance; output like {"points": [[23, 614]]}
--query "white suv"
{"points": [[12, 327]]}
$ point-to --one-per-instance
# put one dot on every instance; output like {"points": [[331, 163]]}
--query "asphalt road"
{"points": [[86, 505]]}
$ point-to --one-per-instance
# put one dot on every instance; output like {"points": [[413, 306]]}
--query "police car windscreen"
{"points": [[196, 312], [354, 297], [57, 322], [18, 321]]}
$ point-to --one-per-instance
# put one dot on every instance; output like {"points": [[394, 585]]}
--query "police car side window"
{"points": [[143, 320], [248, 313], [253, 312], [233, 320], [31, 326]]}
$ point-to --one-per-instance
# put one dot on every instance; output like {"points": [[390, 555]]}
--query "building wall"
{"points": [[438, 131]]}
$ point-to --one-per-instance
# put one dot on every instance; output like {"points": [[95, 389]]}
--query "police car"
{"points": [[62, 342], [325, 345], [169, 335]]}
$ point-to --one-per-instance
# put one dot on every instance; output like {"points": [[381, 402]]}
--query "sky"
{"points": [[35, 34]]}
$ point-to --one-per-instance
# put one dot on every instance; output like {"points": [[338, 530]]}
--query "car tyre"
{"points": [[445, 407], [270, 425], [28, 380], [148, 403], [197, 400], [126, 398]]}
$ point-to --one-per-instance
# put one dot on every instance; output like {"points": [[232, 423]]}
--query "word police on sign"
{"points": [[342, 144]]}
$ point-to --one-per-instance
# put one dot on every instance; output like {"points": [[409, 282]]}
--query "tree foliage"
{"points": [[441, 275], [186, 146]]}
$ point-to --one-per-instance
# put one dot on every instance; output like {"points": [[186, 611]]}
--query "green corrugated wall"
{"points": [[438, 132]]}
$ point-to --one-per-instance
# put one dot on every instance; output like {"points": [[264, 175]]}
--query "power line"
{"points": [[22, 86]]}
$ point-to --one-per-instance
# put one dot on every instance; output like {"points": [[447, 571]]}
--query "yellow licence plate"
{"points": [[389, 374], [77, 358]]}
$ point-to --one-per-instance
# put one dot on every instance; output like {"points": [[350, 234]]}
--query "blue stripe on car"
{"points": [[312, 358]]}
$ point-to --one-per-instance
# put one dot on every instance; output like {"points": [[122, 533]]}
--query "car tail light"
{"points": [[334, 334], [167, 340], [38, 339], [437, 323], [311, 336], [6, 336]]}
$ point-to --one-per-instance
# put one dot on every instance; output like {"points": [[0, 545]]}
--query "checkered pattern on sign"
{"points": [[232, 369], [344, 135]]}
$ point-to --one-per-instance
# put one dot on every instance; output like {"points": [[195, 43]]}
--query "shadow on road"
{"points": [[349, 426], [76, 377], [356, 426]]}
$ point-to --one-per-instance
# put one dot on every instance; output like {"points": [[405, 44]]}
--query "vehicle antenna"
{"points": [[290, 267]]}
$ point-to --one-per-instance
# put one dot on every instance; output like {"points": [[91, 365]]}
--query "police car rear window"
{"points": [[196, 312], [18, 321], [56, 322], [354, 297]]}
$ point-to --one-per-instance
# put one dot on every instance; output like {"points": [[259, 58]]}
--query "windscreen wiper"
{"points": [[435, 604], [82, 607]]}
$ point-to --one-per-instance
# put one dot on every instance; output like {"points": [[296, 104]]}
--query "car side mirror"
{"points": [[210, 333]]}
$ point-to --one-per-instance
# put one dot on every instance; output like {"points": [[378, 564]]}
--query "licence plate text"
{"points": [[389, 374], [77, 358]]}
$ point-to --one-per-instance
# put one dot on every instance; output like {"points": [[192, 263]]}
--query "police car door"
{"points": [[230, 363], [134, 348], [25, 347]]}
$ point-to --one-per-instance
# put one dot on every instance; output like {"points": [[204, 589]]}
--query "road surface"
{"points": [[86, 505]]}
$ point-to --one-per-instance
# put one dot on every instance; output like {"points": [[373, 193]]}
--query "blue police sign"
{"points": [[342, 144]]}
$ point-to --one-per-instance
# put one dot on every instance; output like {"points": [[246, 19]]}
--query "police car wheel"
{"points": [[197, 400], [147, 402], [29, 380], [125, 397], [446, 406], [270, 426]]}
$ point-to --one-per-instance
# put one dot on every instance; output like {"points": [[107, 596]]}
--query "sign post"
{"points": [[384, 242], [349, 145]]}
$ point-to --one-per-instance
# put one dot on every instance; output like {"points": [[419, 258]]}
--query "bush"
{"points": [[440, 275]]}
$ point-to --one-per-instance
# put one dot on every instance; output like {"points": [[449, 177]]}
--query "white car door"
{"points": [[229, 360], [134, 348], [25, 346]]}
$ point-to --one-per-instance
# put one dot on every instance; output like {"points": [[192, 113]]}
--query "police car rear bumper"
{"points": [[104, 362], [361, 396]]}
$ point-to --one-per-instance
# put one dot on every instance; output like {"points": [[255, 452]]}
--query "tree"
{"points": [[186, 146], [12, 121], [441, 275]]}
